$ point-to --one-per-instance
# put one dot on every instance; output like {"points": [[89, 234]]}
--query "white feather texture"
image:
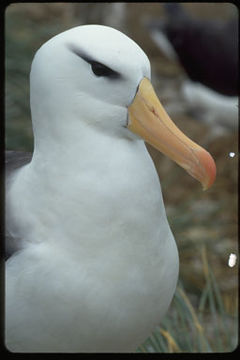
{"points": [[99, 265]]}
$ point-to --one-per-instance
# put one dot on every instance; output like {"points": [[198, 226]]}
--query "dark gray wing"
{"points": [[206, 49], [13, 161]]}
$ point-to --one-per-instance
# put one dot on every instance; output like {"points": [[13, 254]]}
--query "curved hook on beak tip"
{"points": [[210, 170]]}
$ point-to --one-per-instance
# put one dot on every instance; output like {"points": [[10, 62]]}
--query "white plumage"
{"points": [[98, 263]]}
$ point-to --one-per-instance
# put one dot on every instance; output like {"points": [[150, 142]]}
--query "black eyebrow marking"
{"points": [[83, 55]]}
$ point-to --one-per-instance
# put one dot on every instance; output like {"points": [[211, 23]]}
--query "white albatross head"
{"points": [[88, 74], [96, 77]]}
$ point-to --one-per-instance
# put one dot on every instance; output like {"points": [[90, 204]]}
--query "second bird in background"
{"points": [[207, 51]]}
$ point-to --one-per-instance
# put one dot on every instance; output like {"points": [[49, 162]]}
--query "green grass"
{"points": [[205, 327]]}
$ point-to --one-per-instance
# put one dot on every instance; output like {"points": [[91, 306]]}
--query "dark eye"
{"points": [[101, 70]]}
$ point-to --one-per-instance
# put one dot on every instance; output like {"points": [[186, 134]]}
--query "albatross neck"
{"points": [[82, 147]]}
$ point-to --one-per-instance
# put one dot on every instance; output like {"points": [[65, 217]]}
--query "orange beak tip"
{"points": [[210, 170]]}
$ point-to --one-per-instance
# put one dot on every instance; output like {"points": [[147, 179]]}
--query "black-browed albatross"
{"points": [[96, 264]]}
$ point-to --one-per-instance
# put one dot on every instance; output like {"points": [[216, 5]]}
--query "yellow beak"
{"points": [[148, 119]]}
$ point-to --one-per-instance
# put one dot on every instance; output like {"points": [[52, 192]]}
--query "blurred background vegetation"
{"points": [[203, 315]]}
